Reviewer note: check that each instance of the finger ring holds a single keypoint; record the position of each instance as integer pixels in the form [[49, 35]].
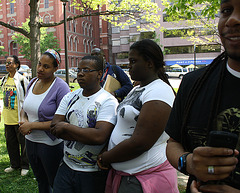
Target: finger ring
[[210, 169]]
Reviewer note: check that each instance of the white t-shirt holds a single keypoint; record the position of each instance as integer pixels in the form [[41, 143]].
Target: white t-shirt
[[85, 112], [127, 114], [31, 105]]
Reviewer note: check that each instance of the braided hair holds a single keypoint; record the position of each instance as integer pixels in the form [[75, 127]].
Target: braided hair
[[150, 50], [195, 91]]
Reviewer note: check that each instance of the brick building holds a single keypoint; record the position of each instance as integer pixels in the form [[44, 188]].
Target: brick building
[[82, 33]]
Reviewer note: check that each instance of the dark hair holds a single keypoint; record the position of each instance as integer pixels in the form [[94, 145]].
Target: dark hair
[[150, 50], [16, 60], [55, 62], [98, 61], [195, 91]]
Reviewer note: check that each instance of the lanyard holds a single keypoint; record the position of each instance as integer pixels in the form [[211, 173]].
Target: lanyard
[[105, 74]]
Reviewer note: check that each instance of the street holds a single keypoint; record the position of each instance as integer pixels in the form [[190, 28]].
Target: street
[[175, 82]]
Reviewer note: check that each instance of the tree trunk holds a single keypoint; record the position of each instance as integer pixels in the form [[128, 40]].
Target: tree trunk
[[34, 34]]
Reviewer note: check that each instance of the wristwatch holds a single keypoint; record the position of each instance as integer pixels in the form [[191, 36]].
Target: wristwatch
[[182, 163]]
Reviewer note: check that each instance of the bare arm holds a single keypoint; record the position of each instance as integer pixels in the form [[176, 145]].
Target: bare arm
[[26, 127], [91, 136], [148, 129]]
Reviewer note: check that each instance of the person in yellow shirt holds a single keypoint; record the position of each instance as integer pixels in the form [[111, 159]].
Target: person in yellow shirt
[[14, 86]]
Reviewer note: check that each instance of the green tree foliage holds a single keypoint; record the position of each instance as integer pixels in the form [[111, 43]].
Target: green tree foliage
[[47, 40], [190, 9], [1, 51], [197, 20]]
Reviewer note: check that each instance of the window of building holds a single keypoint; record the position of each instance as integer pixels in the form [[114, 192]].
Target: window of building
[[71, 43], [76, 61], [85, 46], [83, 27], [124, 40], [69, 6], [47, 19], [73, 9], [122, 55], [200, 31], [134, 38], [46, 3], [86, 29], [190, 49], [147, 35], [91, 31], [70, 25], [116, 43], [72, 62], [11, 8], [115, 30], [88, 47], [74, 26], [76, 44], [91, 45]]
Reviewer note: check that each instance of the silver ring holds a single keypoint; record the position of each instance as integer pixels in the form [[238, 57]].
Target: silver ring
[[210, 169]]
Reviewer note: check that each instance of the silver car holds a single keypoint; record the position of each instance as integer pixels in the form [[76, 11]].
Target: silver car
[[61, 73]]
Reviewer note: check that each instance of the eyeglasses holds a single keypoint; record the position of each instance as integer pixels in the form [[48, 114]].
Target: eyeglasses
[[85, 70], [8, 63]]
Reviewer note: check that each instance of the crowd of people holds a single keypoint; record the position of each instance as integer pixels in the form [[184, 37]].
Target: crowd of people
[[134, 139]]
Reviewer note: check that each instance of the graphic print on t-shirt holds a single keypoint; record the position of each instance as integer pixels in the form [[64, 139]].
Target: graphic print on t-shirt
[[85, 158], [9, 96]]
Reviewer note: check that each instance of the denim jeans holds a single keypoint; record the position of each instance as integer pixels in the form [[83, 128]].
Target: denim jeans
[[70, 181], [44, 160]]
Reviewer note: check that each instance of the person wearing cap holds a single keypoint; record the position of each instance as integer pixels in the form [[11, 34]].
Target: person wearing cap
[[116, 72], [208, 100], [43, 96], [14, 86]]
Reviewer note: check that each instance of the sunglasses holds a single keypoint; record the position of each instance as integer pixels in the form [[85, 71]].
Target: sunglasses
[[8, 63]]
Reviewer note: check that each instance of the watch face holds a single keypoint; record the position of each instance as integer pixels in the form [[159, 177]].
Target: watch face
[[180, 164]]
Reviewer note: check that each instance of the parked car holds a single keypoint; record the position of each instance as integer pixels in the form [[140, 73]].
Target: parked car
[[25, 71], [61, 73], [3, 70], [177, 72]]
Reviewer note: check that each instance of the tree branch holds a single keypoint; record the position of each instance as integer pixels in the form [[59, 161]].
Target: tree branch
[[17, 29], [86, 15]]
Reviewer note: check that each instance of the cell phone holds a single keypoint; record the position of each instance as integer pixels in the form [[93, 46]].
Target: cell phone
[[222, 139]]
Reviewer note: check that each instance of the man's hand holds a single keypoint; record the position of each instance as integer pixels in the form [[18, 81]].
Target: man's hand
[[220, 158], [197, 188], [59, 129]]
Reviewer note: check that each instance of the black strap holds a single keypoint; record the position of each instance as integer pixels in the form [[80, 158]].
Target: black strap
[[22, 83]]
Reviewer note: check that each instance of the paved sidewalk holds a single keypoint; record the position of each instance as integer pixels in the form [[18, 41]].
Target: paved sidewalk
[[182, 179]]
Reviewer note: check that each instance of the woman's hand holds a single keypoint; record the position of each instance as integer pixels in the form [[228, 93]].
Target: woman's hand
[[25, 127], [101, 164]]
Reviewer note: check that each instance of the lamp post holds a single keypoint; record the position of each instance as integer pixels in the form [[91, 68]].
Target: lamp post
[[194, 56], [65, 41]]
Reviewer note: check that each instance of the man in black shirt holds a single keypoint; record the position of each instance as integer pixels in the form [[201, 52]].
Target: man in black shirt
[[208, 99]]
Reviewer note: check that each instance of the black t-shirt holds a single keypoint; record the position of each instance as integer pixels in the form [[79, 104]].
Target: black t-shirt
[[228, 115]]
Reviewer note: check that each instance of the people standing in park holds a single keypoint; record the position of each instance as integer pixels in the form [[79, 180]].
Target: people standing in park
[[85, 119], [116, 72], [14, 86], [42, 99], [137, 145], [208, 100]]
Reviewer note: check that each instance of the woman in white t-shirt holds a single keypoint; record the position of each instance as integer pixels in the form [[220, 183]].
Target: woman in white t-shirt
[[137, 147]]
